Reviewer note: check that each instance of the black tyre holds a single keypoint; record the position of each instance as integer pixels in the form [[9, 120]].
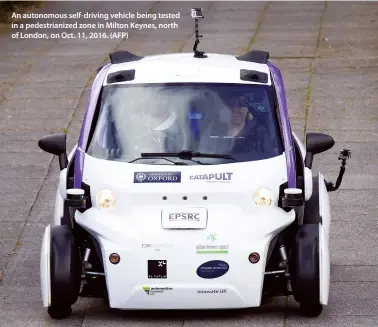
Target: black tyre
[[59, 313], [311, 211], [65, 272], [304, 258], [310, 310]]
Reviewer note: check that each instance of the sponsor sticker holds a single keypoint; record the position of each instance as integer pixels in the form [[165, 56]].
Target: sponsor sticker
[[212, 291], [213, 178], [195, 216], [157, 247], [157, 269], [213, 269], [157, 177], [156, 290], [185, 218], [212, 246]]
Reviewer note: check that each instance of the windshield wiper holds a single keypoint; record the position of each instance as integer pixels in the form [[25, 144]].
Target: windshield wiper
[[174, 162], [186, 154]]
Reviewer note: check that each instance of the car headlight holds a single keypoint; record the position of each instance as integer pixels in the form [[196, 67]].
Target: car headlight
[[105, 199], [263, 197]]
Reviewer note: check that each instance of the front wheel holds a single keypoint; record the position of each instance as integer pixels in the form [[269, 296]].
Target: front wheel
[[59, 312], [65, 272], [310, 310], [304, 270]]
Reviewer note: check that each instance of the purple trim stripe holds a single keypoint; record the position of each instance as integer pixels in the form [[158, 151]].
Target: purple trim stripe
[[284, 115], [85, 129]]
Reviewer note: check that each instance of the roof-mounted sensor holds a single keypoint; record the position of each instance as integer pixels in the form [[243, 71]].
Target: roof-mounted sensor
[[122, 56], [256, 56]]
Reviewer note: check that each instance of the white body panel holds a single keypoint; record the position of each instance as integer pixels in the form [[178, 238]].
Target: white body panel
[[324, 232], [307, 171], [308, 183], [185, 68], [45, 267], [136, 219], [301, 145]]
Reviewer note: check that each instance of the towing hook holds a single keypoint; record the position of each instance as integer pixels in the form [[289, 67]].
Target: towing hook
[[345, 154]]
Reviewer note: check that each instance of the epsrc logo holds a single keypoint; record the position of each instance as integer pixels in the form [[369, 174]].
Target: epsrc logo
[[184, 216]]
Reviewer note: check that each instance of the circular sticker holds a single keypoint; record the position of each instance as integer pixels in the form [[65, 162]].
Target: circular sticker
[[213, 269], [260, 107]]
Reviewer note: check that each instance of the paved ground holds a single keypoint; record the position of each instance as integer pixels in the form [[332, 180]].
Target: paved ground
[[329, 57]]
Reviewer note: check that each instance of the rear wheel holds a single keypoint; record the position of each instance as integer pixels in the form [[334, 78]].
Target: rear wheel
[[65, 272]]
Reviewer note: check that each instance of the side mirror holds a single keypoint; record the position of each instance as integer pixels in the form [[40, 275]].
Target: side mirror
[[56, 145], [317, 143]]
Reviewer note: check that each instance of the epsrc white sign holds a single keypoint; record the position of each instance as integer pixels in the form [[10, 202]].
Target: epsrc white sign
[[184, 218]]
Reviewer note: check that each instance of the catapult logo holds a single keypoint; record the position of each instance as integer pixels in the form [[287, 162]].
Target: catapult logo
[[157, 177], [154, 290], [213, 178]]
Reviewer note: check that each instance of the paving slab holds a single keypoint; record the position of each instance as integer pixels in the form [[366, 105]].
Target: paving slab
[[26, 257], [10, 229], [27, 104], [23, 172], [20, 306], [317, 122], [358, 213], [331, 321], [40, 91], [6, 249], [270, 314], [352, 299], [354, 243], [358, 273]]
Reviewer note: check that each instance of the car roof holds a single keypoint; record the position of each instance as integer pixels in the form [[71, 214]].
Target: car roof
[[186, 68]]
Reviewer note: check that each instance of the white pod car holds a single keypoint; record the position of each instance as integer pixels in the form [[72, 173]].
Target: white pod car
[[188, 190]]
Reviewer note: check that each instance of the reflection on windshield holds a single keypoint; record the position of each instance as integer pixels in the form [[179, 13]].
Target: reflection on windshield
[[234, 119]]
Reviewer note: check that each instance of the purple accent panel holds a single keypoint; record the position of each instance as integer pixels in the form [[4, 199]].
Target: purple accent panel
[[286, 128], [91, 106], [79, 164], [85, 129]]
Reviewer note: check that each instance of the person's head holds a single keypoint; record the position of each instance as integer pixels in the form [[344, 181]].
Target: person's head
[[239, 110]]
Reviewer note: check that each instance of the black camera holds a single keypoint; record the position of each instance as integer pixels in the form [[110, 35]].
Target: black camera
[[197, 13], [345, 154]]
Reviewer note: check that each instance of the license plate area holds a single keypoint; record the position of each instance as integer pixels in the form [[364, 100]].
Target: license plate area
[[184, 218]]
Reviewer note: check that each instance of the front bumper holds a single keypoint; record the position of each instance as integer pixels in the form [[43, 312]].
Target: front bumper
[[233, 235]]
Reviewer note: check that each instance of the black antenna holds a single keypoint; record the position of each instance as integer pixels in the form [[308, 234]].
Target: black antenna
[[196, 14]]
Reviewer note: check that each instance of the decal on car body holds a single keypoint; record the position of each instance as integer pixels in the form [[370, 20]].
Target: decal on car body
[[213, 269]]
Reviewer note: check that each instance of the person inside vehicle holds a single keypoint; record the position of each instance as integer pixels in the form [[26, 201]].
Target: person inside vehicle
[[243, 132]]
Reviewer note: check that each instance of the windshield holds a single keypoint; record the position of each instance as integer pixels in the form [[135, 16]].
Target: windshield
[[229, 119]]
